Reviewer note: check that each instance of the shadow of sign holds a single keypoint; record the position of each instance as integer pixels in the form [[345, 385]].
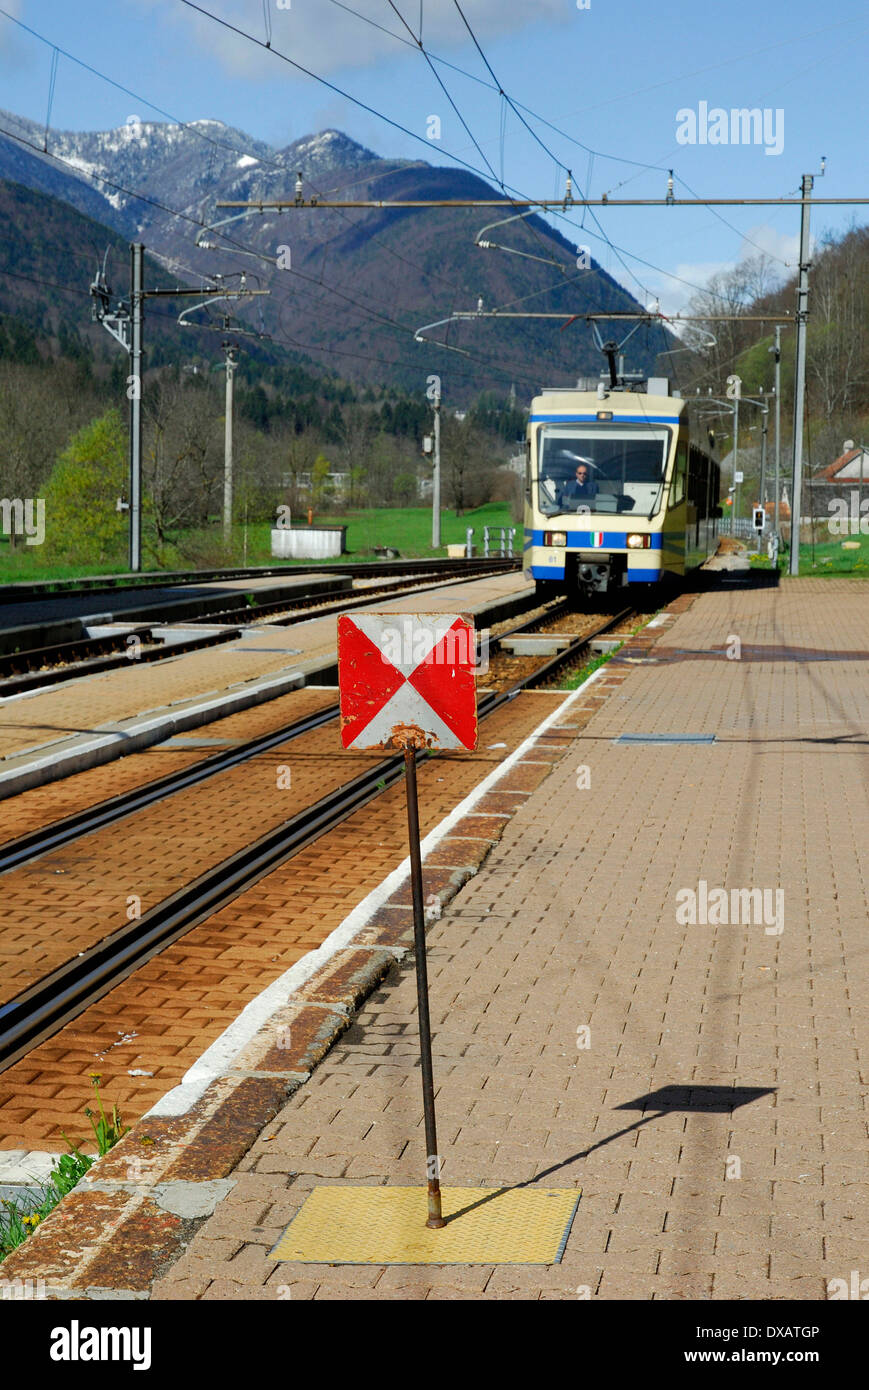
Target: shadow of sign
[[720, 1100]]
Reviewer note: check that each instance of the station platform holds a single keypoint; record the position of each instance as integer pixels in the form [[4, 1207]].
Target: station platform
[[139, 602], [48, 733], [648, 985]]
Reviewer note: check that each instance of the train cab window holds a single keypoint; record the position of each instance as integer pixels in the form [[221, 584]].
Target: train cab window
[[601, 468], [677, 487]]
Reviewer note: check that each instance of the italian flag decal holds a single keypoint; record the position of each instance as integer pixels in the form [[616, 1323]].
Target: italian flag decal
[[597, 537]]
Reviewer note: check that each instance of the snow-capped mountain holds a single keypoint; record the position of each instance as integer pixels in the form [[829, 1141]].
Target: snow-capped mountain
[[184, 167], [348, 287]]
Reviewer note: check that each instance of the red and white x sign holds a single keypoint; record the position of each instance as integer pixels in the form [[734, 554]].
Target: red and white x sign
[[407, 680]]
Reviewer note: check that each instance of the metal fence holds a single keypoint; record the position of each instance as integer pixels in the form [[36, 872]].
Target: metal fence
[[736, 526], [497, 540]]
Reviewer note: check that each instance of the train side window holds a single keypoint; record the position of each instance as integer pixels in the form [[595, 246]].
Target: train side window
[[677, 489], [698, 481]]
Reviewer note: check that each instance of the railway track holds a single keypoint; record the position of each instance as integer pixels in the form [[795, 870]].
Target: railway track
[[27, 670], [102, 584], [65, 992]]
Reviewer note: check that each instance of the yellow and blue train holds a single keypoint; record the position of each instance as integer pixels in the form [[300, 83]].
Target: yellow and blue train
[[616, 492]]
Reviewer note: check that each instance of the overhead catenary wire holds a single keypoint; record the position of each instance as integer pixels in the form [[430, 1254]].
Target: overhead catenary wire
[[120, 86], [560, 163], [363, 308], [397, 125], [443, 87], [51, 85], [201, 223], [357, 101], [727, 62]]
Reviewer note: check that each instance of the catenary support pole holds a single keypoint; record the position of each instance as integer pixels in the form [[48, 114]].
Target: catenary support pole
[[736, 481], [777, 351], [134, 391], [436, 477], [763, 433], [231, 360], [800, 376]]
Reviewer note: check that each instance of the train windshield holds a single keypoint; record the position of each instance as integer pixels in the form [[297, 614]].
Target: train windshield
[[601, 468]]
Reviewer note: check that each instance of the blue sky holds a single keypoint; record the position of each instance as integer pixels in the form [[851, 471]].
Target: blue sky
[[612, 76]]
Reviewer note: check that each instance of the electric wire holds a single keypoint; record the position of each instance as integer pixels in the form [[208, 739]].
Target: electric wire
[[162, 207]]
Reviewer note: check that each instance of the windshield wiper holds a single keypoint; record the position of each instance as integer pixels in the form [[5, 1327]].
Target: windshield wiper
[[656, 501]]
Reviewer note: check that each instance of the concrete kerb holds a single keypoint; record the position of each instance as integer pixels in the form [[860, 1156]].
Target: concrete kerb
[[113, 1237], [132, 735]]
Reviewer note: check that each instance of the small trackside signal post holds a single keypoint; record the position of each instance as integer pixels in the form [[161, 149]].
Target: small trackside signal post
[[406, 683]]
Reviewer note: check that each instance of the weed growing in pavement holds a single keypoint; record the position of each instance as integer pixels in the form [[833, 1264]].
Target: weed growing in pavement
[[20, 1218], [576, 678], [106, 1132]]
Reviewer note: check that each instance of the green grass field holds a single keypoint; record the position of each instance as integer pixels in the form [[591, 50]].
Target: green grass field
[[407, 529], [827, 557]]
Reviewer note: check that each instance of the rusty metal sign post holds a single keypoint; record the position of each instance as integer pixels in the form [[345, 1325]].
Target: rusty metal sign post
[[406, 683], [431, 1138]]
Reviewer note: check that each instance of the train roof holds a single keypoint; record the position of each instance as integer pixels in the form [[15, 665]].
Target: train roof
[[623, 404]]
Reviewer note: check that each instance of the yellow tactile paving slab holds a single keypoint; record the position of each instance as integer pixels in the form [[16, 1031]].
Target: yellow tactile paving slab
[[386, 1226]]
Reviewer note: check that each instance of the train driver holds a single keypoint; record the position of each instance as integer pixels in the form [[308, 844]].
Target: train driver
[[582, 488]]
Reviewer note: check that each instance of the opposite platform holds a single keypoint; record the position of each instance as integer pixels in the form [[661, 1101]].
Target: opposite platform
[[46, 734]]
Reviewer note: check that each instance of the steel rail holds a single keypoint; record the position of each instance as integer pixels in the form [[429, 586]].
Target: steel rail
[[18, 662], [45, 839], [31, 846], [94, 666], [322, 608]]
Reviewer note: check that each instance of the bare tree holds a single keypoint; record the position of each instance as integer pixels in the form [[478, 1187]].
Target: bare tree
[[729, 296], [182, 457], [837, 359]]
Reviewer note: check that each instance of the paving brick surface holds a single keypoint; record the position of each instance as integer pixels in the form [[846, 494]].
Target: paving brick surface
[[704, 1082]]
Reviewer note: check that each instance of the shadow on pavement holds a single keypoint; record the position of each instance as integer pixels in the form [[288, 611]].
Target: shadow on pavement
[[718, 1100]]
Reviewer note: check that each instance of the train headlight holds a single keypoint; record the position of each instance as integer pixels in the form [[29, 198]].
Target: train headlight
[[638, 541], [555, 538]]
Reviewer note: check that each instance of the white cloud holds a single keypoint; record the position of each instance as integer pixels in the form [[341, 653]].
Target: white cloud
[[783, 247], [675, 295], [325, 38], [7, 29], [13, 50], [780, 245]]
